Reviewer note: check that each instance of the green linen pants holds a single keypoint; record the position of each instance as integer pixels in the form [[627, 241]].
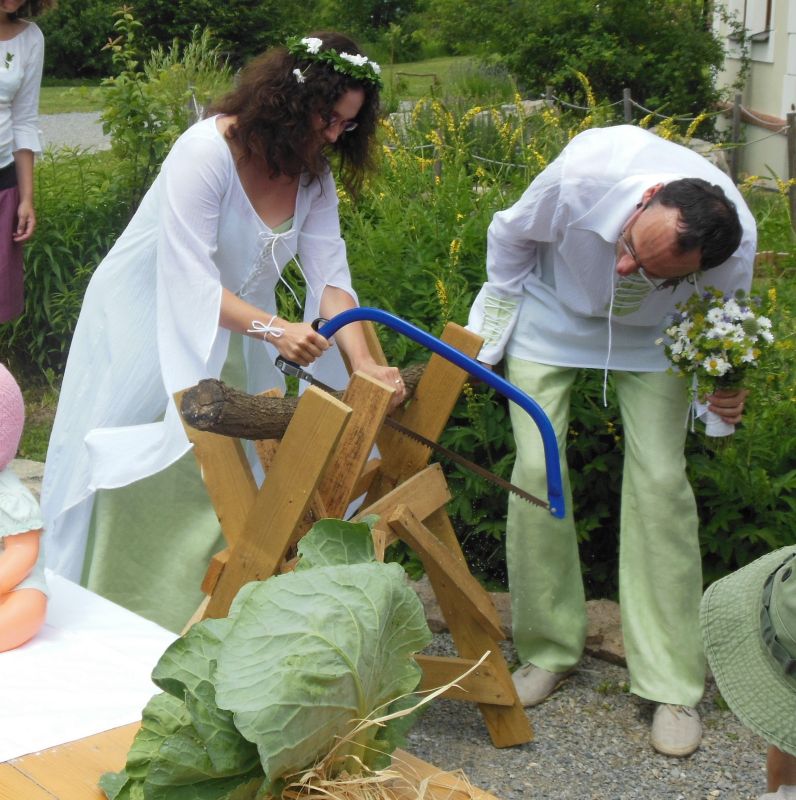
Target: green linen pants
[[660, 570]]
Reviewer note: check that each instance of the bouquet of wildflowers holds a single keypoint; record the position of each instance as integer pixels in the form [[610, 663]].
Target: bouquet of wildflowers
[[716, 339]]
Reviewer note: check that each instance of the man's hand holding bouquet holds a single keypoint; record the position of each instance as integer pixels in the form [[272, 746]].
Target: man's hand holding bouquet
[[717, 339]]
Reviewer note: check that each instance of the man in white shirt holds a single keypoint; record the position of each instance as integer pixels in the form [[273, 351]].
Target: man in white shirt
[[583, 272]]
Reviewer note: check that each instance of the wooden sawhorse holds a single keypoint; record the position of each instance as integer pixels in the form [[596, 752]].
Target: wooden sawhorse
[[319, 466]]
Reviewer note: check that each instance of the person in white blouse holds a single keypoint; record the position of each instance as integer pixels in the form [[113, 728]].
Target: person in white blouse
[[21, 64], [187, 291], [583, 272]]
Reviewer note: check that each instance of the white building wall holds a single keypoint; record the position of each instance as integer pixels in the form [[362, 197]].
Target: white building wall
[[771, 86]]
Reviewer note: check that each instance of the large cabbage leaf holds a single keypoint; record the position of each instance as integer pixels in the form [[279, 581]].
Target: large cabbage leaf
[[187, 671], [266, 690], [332, 542], [312, 652], [167, 761]]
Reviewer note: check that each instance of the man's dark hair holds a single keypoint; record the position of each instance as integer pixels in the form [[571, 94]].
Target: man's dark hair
[[708, 219]]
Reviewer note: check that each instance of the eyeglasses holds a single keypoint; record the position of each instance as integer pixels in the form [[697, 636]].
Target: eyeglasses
[[657, 284], [345, 125]]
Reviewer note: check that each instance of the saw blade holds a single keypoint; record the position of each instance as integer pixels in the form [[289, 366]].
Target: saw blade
[[452, 455], [289, 368]]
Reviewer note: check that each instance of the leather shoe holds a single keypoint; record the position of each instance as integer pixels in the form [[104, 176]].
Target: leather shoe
[[534, 684], [676, 730]]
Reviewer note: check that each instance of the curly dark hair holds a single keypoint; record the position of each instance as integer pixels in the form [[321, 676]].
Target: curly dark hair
[[276, 114], [32, 8]]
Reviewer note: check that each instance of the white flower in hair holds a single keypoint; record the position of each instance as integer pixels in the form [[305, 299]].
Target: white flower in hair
[[309, 49], [299, 76], [312, 43], [358, 61]]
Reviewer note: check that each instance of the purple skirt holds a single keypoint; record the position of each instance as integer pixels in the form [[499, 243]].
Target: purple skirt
[[11, 294]]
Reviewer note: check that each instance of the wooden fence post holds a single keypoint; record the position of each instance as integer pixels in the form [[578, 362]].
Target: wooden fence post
[[627, 104], [735, 153], [792, 166]]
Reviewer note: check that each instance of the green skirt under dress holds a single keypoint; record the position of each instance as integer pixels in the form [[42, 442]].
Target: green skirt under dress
[[150, 543]]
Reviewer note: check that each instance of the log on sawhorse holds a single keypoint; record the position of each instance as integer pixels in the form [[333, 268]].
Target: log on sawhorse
[[321, 464]]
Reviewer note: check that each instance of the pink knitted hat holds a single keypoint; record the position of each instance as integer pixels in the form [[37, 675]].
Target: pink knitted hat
[[12, 416]]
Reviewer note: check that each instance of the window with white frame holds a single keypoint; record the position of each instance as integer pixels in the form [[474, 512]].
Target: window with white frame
[[757, 18]]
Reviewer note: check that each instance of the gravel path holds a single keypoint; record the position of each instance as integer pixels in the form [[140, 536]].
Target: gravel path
[[591, 743], [74, 129]]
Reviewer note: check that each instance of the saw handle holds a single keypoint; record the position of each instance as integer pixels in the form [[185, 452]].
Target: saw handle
[[555, 494], [291, 367]]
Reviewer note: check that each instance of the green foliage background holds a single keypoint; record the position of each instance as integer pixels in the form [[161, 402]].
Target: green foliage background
[[662, 50], [416, 241]]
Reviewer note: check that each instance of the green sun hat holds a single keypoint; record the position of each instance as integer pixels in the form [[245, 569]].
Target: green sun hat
[[749, 629]]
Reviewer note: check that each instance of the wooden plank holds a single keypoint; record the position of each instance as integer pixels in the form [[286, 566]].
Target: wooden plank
[[266, 451], [283, 500], [458, 582], [71, 771], [316, 511], [369, 472], [197, 615], [422, 494], [507, 725], [374, 345], [369, 400], [214, 570], [428, 413], [480, 686], [15, 785], [227, 476], [440, 785]]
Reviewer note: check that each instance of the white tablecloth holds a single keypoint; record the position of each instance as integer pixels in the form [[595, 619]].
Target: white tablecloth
[[86, 671]]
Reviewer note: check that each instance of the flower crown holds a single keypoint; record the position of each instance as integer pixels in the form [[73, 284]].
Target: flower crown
[[309, 49]]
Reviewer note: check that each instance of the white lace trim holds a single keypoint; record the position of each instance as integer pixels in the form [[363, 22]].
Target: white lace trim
[[267, 259], [498, 313]]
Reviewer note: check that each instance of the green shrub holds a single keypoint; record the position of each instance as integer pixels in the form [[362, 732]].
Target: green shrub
[[75, 32], [242, 28], [79, 217], [666, 53], [148, 104]]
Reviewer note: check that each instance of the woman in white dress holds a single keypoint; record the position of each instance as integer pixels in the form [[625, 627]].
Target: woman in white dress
[[21, 63], [189, 289]]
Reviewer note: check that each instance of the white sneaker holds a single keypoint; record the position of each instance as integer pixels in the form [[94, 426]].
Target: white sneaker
[[534, 684], [676, 730]]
